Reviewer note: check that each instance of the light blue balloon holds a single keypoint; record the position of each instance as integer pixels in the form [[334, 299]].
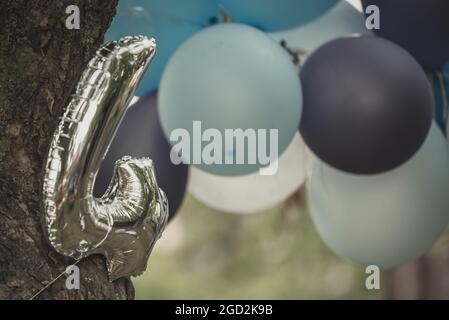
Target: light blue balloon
[[170, 22], [342, 20], [386, 219], [275, 15], [231, 76]]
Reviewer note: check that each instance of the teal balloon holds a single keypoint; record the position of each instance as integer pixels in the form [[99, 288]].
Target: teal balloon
[[275, 15], [231, 76], [340, 21], [170, 22], [386, 219], [440, 84]]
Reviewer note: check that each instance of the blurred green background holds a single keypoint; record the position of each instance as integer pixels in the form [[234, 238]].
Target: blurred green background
[[276, 254]]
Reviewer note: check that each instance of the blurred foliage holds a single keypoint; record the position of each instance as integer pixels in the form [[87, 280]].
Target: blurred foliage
[[277, 254]]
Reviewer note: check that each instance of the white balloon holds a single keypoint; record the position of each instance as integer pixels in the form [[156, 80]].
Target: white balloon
[[386, 219], [253, 192], [342, 20]]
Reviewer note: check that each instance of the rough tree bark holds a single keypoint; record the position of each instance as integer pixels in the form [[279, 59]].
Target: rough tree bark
[[40, 64]]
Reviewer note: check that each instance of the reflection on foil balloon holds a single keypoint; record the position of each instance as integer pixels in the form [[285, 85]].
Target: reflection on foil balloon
[[125, 223], [140, 135]]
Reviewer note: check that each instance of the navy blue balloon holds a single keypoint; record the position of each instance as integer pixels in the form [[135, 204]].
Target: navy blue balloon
[[140, 135], [368, 104], [170, 22], [276, 15], [419, 26]]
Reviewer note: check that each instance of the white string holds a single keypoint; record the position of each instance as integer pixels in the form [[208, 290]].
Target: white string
[[53, 281], [110, 225]]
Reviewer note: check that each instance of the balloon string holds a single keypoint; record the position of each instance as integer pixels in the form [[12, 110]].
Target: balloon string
[[296, 54], [62, 273], [444, 97], [53, 281], [225, 17], [110, 224]]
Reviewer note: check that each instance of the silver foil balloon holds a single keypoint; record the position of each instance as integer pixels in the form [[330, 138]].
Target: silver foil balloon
[[127, 220]]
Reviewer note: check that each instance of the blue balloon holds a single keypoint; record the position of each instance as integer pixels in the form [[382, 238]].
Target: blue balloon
[[340, 21], [229, 78], [276, 15], [384, 219], [170, 22], [440, 82]]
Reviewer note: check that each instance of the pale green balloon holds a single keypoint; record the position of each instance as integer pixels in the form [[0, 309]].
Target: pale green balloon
[[231, 76], [386, 219]]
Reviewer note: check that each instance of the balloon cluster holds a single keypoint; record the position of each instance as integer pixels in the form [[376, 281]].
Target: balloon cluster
[[361, 106], [377, 192]]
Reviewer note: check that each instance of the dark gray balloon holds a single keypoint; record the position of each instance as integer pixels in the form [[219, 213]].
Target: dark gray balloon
[[140, 135], [419, 26], [368, 105]]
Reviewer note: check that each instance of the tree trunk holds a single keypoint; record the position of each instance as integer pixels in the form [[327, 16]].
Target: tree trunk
[[40, 63]]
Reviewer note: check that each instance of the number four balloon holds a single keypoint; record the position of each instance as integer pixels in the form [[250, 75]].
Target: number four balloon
[[125, 223], [140, 135]]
